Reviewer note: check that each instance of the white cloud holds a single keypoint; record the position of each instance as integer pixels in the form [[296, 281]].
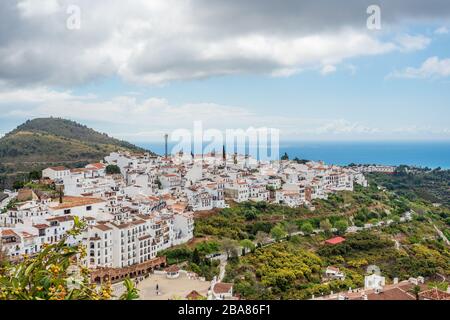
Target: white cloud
[[409, 42], [328, 69], [433, 67], [34, 95], [441, 30], [30, 8], [158, 41], [343, 126], [130, 118]]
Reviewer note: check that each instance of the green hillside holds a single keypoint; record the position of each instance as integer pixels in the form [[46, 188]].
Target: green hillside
[[44, 142]]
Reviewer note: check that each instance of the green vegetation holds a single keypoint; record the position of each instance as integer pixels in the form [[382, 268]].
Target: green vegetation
[[40, 143], [417, 184], [278, 233], [283, 271], [245, 220], [112, 169], [195, 258], [292, 266], [307, 228], [291, 270]]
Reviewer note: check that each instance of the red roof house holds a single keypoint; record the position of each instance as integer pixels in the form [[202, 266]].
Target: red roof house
[[335, 240]]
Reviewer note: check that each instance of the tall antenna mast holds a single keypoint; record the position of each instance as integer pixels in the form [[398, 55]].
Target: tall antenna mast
[[166, 136]]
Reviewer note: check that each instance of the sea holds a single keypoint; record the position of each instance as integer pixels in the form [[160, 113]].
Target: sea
[[421, 153]]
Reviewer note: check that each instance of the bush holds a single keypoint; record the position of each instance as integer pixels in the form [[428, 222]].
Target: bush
[[307, 228], [112, 169]]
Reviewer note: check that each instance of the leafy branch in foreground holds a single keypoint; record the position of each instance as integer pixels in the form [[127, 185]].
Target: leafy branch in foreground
[[56, 273]]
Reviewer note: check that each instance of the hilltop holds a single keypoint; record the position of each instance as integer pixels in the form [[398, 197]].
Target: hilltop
[[42, 142]]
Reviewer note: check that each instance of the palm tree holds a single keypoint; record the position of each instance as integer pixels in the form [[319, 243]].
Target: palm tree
[[416, 290]]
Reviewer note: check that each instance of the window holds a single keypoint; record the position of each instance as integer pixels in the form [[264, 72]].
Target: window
[[67, 211], [88, 208]]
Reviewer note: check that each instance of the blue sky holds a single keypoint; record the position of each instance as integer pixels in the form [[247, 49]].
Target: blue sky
[[338, 83]]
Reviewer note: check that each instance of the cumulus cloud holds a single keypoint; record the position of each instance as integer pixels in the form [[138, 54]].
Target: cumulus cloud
[[433, 67], [158, 41], [328, 69], [148, 119], [413, 42], [30, 8], [343, 126], [441, 30]]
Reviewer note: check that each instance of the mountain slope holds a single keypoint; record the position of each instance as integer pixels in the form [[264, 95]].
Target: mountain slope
[[42, 142]]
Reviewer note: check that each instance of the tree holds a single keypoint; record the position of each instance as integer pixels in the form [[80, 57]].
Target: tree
[[247, 245], [196, 256], [277, 233], [112, 169], [131, 292], [261, 237], [300, 161], [18, 185], [35, 175], [291, 228], [251, 214], [416, 290], [325, 225], [230, 248], [158, 183], [341, 226], [285, 156], [56, 273], [307, 228]]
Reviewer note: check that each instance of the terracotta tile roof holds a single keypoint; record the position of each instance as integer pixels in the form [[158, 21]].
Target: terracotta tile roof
[[60, 219], [41, 226], [194, 295], [173, 268], [222, 287], [392, 294], [97, 165], [434, 294], [138, 222], [58, 168], [121, 226], [102, 227], [79, 170], [71, 202], [9, 233], [333, 268], [27, 235]]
